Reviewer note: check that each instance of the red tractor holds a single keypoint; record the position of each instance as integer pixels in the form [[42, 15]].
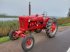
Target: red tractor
[[36, 24]]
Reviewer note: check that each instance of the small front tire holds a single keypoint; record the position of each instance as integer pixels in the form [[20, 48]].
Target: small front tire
[[12, 35], [28, 43]]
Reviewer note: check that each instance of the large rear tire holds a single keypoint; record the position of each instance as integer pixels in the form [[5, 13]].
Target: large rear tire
[[28, 43], [52, 28]]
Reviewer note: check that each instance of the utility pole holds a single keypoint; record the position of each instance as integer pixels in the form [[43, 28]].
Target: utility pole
[[29, 8], [69, 13]]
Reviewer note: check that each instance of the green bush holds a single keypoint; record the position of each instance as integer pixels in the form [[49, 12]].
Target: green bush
[[6, 26], [62, 21]]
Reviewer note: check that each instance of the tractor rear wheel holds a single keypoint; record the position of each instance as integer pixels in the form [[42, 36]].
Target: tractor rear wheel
[[12, 35], [28, 43], [51, 28]]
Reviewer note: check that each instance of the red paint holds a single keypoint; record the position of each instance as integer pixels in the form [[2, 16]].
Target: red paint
[[31, 23]]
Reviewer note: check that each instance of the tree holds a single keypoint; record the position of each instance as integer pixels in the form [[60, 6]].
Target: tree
[[69, 13]]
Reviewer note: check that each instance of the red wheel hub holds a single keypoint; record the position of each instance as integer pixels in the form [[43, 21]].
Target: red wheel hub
[[53, 27], [29, 43], [15, 35]]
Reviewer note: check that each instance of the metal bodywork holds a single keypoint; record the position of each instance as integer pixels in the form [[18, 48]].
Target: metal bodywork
[[31, 23]]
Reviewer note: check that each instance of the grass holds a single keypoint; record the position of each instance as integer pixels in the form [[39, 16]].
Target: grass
[[4, 39], [67, 24], [63, 21], [7, 26]]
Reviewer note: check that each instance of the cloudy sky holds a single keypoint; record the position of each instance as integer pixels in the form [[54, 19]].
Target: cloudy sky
[[20, 7]]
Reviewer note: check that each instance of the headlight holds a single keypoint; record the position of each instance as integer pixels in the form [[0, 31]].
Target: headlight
[[29, 20]]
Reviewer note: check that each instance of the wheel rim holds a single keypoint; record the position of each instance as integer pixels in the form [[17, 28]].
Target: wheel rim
[[14, 35], [29, 43], [53, 28]]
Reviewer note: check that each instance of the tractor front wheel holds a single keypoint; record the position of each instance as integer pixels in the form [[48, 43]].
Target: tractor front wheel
[[12, 35], [28, 43]]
